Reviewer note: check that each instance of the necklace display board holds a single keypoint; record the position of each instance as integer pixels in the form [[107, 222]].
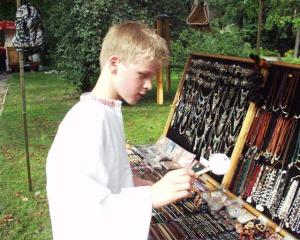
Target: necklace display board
[[211, 104], [268, 171]]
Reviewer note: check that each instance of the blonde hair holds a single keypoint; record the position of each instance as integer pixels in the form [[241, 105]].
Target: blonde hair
[[130, 40]]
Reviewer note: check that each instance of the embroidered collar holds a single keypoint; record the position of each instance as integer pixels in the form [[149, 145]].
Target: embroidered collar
[[107, 102]]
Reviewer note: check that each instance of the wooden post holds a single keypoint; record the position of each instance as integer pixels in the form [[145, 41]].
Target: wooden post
[[167, 37], [259, 26], [22, 88], [163, 30], [160, 88], [159, 85]]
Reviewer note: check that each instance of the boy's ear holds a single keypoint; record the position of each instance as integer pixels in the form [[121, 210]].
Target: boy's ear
[[113, 63]]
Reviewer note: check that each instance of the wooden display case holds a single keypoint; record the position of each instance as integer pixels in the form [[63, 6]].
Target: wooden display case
[[216, 110], [202, 88], [282, 105]]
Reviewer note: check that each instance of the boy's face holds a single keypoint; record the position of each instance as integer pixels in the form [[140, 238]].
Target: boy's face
[[133, 80]]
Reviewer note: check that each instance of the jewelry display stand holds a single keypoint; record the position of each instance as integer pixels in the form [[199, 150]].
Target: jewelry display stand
[[211, 104], [214, 112], [266, 174]]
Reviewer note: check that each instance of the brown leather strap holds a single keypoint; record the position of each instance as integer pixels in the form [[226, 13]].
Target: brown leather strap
[[265, 121], [275, 136]]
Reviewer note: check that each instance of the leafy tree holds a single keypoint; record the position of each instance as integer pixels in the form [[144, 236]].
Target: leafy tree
[[74, 29], [280, 20], [7, 10], [79, 26], [283, 24], [227, 42]]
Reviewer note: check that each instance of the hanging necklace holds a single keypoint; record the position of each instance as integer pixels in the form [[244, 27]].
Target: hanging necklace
[[296, 154], [292, 215], [276, 193], [287, 201]]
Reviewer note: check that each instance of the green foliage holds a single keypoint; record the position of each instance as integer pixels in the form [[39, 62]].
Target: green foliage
[[77, 31], [280, 20], [296, 22], [227, 42], [74, 29], [79, 27], [288, 57], [267, 52], [7, 10], [283, 13], [291, 59]]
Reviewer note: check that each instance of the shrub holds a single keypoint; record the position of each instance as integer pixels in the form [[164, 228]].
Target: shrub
[[79, 27], [288, 57], [228, 41]]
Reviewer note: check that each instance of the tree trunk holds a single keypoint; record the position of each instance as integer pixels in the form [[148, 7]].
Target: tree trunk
[[244, 15], [259, 26], [297, 41], [296, 48]]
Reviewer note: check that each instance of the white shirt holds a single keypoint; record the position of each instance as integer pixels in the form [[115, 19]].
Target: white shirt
[[89, 182]]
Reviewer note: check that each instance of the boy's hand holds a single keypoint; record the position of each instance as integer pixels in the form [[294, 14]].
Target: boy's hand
[[141, 182], [174, 186]]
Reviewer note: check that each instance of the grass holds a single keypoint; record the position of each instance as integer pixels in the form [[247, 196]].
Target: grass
[[291, 59], [24, 215]]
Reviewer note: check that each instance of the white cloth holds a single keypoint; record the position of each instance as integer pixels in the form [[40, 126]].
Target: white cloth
[[89, 182]]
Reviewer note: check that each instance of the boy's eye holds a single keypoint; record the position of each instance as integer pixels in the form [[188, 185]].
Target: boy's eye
[[143, 75]]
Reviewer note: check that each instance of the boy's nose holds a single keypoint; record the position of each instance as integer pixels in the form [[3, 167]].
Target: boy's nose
[[148, 84]]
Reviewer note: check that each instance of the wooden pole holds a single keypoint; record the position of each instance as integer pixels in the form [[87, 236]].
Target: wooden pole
[[167, 37], [159, 81], [22, 88], [259, 26], [297, 43], [163, 30]]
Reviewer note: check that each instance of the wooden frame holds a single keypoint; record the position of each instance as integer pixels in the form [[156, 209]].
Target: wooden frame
[[240, 142]]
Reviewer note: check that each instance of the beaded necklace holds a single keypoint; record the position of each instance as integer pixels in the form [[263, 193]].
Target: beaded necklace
[[286, 202], [267, 189], [258, 190], [250, 197], [296, 155], [292, 217]]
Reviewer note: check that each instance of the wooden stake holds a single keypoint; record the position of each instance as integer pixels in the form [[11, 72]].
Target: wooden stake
[[22, 88], [167, 37], [159, 80], [163, 30]]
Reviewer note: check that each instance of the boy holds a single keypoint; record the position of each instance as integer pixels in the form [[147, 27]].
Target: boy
[[90, 187]]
